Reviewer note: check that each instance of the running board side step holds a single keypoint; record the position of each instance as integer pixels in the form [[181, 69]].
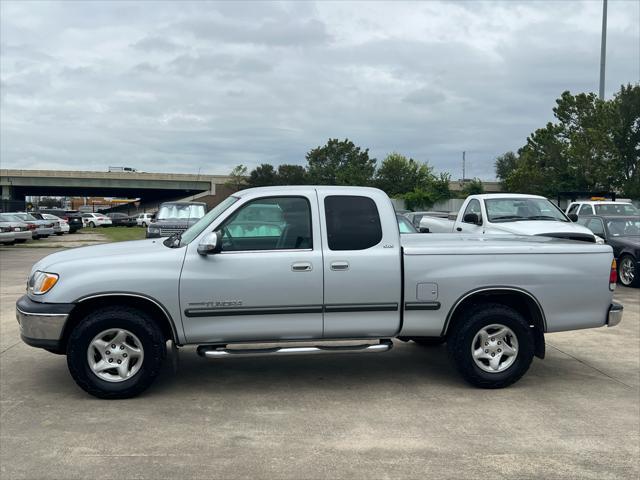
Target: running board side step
[[212, 351]]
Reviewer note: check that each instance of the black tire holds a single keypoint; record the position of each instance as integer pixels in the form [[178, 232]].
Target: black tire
[[92, 225], [429, 341], [460, 340], [144, 224], [636, 281], [131, 319]]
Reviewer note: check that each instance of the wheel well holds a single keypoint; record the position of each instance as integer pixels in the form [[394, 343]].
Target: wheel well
[[157, 314], [522, 302]]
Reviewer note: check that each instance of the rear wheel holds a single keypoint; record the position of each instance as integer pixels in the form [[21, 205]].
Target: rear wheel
[[627, 271], [115, 352], [92, 225], [492, 347]]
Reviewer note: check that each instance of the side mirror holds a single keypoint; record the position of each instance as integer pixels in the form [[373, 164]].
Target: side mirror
[[573, 217], [210, 243], [424, 230], [471, 218]]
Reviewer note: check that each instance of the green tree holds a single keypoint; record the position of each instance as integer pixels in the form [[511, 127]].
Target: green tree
[[237, 178], [592, 145], [419, 199], [626, 139], [398, 175], [263, 175], [505, 164], [340, 163], [291, 175], [474, 187]]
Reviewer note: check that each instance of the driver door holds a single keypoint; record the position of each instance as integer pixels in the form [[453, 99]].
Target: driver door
[[266, 283]]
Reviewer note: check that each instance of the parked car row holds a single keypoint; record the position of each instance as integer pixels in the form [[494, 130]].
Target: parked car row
[[19, 227]]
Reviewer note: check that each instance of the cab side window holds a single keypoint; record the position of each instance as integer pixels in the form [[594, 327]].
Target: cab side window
[[274, 223], [473, 207], [353, 222], [586, 209]]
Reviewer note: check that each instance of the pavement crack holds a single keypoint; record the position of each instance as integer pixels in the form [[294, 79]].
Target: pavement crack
[[9, 347], [592, 367]]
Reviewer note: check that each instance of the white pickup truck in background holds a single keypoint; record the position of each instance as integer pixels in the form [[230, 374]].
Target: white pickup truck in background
[[509, 213]]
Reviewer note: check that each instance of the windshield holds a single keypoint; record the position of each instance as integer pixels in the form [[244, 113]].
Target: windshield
[[198, 227], [616, 209], [24, 216], [177, 211], [519, 209], [405, 225], [623, 227]]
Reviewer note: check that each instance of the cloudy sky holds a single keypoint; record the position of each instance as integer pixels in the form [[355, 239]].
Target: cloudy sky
[[178, 87]]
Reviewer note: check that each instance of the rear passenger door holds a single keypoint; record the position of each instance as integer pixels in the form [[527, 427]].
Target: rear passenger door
[[362, 278]]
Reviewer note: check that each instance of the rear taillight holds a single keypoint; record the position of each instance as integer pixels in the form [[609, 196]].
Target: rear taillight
[[613, 275]]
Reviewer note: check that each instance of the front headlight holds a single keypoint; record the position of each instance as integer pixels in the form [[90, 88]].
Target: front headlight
[[154, 229], [41, 282]]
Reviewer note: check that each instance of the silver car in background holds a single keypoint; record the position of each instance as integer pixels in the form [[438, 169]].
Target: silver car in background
[[6, 234], [44, 228], [20, 230]]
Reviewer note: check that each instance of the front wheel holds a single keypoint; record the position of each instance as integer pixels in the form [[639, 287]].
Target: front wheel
[[115, 352], [92, 225], [144, 224], [627, 271], [492, 347]]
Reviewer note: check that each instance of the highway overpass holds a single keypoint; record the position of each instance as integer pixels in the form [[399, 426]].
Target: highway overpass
[[149, 187]]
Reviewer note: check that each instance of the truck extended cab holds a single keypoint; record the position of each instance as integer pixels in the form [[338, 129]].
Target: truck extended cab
[[509, 213], [298, 268]]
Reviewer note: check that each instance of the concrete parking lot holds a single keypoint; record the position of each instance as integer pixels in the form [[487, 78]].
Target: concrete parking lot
[[405, 413]]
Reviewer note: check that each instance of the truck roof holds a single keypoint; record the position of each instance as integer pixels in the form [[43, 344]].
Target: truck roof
[[344, 190], [486, 196]]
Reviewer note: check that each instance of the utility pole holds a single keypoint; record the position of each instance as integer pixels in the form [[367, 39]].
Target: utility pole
[[603, 48], [464, 166]]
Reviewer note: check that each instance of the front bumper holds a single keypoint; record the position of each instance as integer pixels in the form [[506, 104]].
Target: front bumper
[[615, 314], [41, 324]]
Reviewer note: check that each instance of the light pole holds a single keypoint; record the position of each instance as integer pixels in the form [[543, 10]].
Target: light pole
[[603, 48]]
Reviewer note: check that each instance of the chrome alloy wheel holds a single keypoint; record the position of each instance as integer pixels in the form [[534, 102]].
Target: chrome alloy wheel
[[115, 355], [627, 271], [494, 348]]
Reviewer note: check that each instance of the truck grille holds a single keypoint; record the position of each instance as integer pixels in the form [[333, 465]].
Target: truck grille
[[168, 231]]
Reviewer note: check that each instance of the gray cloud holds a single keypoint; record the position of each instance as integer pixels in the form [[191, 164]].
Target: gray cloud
[[187, 85]]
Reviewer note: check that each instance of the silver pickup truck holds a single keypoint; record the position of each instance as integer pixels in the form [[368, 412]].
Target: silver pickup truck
[[304, 270]]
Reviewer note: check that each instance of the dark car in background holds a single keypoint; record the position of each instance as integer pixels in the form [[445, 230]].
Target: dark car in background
[[121, 220], [623, 234], [73, 217], [173, 218]]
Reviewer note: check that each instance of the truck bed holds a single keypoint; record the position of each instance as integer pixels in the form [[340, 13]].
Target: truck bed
[[443, 269]]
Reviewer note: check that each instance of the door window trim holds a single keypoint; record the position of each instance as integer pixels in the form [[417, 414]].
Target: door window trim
[[272, 250]]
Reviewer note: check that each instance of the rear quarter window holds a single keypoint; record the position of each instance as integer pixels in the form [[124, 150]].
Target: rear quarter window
[[353, 222]]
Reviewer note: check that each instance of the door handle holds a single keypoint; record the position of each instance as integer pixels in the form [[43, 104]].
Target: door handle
[[339, 266], [301, 267], [459, 229]]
